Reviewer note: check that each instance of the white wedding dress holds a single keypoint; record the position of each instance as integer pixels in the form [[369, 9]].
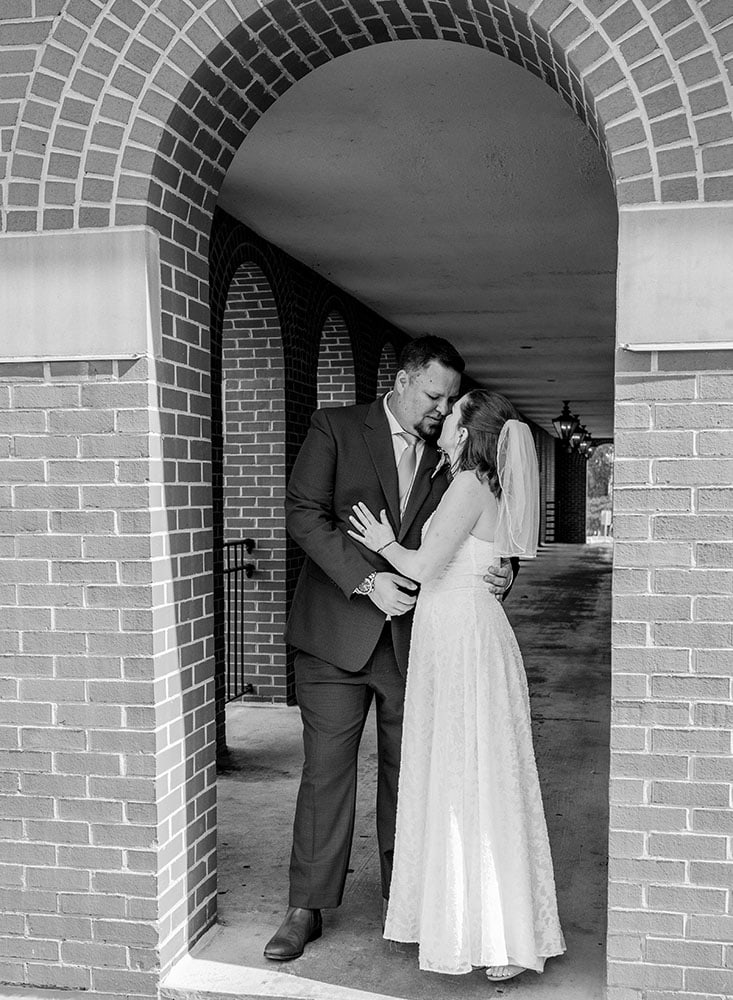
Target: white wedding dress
[[473, 881]]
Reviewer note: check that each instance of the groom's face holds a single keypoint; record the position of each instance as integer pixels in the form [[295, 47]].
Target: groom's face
[[424, 397]]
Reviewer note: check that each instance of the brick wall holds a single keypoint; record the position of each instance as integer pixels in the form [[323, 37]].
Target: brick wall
[[186, 677], [335, 378], [82, 741], [254, 471], [671, 905], [387, 369], [570, 496]]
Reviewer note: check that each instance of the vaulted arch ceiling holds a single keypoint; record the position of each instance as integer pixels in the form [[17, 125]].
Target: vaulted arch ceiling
[[455, 193]]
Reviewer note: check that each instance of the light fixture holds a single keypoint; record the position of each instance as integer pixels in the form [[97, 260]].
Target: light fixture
[[566, 423], [586, 446], [576, 437]]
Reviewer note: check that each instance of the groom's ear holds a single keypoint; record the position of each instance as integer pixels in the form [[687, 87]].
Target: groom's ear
[[401, 380]]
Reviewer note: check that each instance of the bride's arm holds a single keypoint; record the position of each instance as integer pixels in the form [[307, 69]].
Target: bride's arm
[[458, 511]]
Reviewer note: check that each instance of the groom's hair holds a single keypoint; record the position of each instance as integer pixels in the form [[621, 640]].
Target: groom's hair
[[418, 353]]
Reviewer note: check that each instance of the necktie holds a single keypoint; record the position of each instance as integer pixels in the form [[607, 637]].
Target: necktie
[[406, 469]]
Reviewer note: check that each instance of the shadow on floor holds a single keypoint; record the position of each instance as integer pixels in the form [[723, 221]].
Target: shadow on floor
[[560, 609]]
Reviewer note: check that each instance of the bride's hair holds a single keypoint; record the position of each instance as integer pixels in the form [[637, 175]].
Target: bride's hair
[[483, 414]]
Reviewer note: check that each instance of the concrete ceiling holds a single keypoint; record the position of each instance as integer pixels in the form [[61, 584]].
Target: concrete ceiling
[[454, 193]]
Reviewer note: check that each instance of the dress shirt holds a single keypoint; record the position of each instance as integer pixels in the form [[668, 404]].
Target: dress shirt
[[399, 444]]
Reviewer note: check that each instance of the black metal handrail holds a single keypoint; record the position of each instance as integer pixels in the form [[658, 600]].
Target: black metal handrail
[[237, 568]]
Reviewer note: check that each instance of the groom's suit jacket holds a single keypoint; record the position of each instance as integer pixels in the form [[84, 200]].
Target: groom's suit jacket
[[348, 456]]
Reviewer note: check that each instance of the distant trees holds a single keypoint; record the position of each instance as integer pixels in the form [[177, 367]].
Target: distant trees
[[599, 479]]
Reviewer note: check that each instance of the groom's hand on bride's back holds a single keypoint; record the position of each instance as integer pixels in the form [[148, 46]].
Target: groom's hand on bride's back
[[499, 578], [393, 594]]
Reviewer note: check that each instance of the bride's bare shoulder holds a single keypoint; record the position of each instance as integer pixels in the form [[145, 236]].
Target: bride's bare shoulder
[[469, 483], [468, 492]]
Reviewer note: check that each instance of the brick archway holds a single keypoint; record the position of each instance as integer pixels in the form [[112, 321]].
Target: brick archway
[[253, 478], [246, 285], [173, 91]]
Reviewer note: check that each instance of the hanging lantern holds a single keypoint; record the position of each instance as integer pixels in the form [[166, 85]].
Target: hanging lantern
[[565, 423], [576, 437], [586, 446]]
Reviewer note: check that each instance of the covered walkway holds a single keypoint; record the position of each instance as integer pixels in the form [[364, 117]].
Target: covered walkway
[[560, 608]]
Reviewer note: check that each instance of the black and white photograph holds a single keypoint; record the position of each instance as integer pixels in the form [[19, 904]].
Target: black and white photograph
[[366, 499]]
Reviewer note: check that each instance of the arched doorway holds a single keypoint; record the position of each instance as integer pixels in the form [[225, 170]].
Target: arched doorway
[[477, 290], [248, 476], [387, 368], [181, 125], [253, 424], [335, 378]]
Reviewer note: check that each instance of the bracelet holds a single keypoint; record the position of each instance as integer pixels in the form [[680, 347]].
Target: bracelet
[[390, 542]]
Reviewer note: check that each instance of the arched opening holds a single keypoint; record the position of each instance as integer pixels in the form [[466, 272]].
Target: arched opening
[[253, 410], [248, 455], [518, 290], [599, 505], [387, 368], [335, 379], [204, 160]]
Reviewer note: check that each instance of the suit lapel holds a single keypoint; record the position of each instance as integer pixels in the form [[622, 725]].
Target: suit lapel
[[420, 488], [379, 442]]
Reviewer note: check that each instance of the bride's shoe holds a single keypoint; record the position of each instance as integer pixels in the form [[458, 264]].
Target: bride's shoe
[[500, 973]]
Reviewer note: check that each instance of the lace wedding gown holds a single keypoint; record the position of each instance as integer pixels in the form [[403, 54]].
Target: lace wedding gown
[[473, 880]]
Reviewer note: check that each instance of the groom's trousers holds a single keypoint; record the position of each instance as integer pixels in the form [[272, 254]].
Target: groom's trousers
[[334, 704]]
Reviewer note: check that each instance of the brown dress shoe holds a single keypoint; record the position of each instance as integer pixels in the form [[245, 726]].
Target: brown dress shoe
[[298, 928]]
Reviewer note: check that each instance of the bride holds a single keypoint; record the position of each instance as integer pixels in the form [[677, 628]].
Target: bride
[[472, 882]]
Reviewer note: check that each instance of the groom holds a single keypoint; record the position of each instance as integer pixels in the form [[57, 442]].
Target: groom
[[351, 616]]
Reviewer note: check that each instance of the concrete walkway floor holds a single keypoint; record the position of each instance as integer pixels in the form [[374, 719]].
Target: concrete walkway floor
[[560, 609]]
